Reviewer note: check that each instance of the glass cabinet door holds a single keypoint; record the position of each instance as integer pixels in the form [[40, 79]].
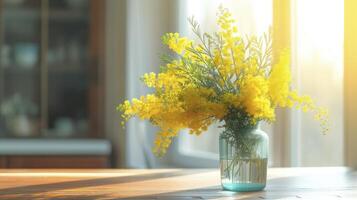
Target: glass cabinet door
[[49, 73], [68, 68], [20, 39]]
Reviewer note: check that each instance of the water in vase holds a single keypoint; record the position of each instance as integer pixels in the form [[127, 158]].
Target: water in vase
[[243, 174]]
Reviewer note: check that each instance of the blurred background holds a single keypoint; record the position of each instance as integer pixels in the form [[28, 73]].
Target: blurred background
[[66, 64]]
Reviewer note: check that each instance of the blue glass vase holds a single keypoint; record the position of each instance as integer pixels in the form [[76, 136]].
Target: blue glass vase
[[243, 159]]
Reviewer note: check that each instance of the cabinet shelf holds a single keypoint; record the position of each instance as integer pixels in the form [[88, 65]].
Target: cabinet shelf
[[64, 69], [14, 70], [55, 147], [33, 14]]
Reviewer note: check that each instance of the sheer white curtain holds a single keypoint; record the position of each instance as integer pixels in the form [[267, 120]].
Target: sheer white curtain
[[317, 48]]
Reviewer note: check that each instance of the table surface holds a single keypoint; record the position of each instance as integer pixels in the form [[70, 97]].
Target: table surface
[[283, 183]]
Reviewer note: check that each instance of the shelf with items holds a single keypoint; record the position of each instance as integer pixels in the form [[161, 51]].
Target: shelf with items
[[45, 57], [20, 115], [72, 15]]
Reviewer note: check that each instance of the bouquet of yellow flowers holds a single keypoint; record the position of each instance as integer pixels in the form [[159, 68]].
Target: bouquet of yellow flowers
[[224, 77]]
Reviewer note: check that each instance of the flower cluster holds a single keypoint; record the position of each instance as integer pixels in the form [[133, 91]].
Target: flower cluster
[[221, 77]]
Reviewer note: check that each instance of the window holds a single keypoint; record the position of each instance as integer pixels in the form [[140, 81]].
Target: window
[[317, 67]]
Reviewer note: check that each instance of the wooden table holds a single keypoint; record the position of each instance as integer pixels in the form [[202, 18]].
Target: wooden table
[[283, 183]]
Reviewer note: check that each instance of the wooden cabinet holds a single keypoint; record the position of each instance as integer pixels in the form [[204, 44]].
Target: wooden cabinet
[[51, 78], [57, 161], [2, 162]]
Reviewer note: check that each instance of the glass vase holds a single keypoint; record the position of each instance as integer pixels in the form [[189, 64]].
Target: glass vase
[[243, 159]]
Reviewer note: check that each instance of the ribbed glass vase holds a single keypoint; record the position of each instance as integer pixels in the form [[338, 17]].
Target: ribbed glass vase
[[243, 159]]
